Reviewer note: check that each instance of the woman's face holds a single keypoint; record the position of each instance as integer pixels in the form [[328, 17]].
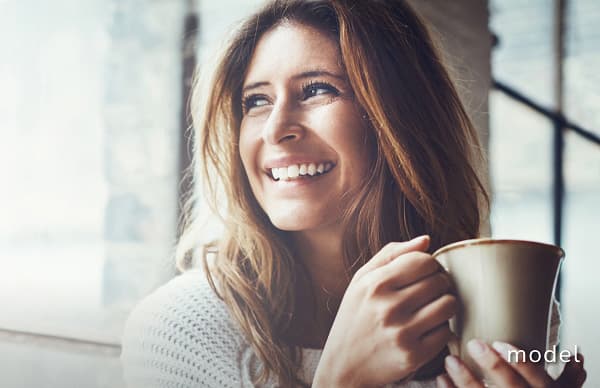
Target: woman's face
[[302, 138]]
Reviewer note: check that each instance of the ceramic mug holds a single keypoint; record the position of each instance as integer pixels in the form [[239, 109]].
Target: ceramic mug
[[505, 289]]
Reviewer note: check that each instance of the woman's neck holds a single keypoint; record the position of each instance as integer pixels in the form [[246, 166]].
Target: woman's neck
[[321, 252]]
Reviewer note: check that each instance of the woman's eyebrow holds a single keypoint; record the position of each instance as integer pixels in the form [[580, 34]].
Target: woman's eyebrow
[[319, 73], [254, 85], [304, 74]]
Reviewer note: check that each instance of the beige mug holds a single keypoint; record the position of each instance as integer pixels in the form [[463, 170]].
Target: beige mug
[[505, 289]]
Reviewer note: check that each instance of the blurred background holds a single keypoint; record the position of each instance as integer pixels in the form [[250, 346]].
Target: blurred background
[[93, 145]]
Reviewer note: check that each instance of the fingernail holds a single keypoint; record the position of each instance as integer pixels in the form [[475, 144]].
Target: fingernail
[[452, 364], [503, 348], [476, 347], [420, 238]]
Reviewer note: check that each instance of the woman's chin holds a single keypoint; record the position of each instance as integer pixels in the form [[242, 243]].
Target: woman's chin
[[293, 223], [291, 226]]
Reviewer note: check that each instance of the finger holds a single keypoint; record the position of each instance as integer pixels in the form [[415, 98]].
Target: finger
[[406, 269], [575, 361], [435, 313], [424, 291], [572, 377], [460, 375], [574, 374], [444, 381], [535, 375], [435, 340], [393, 250], [494, 366]]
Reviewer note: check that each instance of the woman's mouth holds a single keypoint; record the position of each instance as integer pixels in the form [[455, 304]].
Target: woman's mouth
[[300, 171]]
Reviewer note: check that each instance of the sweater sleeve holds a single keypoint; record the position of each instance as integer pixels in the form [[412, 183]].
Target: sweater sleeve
[[182, 336]]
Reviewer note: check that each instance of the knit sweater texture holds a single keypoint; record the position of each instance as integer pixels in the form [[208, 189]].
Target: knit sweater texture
[[183, 336]]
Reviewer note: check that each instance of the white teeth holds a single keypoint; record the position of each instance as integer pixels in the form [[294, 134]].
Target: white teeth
[[303, 169], [292, 171], [296, 170], [283, 173]]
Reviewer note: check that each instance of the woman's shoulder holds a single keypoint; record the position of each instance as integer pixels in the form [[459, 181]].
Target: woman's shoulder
[[182, 335], [186, 295], [186, 301]]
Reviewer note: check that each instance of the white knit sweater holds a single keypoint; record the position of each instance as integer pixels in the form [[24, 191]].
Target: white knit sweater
[[182, 336]]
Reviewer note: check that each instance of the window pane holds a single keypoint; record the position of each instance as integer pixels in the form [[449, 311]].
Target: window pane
[[87, 161], [582, 80], [523, 58], [581, 266], [520, 169], [54, 194], [89, 115]]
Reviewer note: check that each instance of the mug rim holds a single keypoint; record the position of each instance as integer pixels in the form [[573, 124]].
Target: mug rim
[[490, 240]]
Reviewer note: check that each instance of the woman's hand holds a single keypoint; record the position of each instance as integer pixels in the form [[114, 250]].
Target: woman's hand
[[493, 361], [393, 318]]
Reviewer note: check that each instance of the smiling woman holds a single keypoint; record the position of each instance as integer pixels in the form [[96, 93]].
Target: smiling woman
[[300, 116], [345, 157]]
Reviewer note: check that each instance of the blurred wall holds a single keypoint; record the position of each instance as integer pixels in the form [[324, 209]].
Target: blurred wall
[[461, 28]]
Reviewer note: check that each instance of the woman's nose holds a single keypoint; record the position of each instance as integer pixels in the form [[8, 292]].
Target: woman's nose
[[283, 124]]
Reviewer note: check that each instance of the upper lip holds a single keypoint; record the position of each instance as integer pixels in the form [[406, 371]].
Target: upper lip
[[288, 160]]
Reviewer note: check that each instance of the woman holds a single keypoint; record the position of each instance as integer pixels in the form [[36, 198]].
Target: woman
[[333, 134]]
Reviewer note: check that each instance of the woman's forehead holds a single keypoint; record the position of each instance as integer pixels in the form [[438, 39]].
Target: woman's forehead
[[291, 49]]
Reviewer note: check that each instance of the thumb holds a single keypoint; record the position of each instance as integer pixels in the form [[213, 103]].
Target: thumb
[[394, 249]]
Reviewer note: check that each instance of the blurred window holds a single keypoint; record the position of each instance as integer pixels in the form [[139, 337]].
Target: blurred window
[[522, 160], [90, 107]]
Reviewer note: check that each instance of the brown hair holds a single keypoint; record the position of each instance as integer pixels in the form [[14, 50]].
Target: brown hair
[[423, 181]]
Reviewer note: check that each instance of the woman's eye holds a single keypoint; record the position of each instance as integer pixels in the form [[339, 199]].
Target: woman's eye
[[319, 88], [254, 101]]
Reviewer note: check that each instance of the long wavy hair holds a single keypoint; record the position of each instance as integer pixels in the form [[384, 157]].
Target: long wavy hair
[[423, 177]]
